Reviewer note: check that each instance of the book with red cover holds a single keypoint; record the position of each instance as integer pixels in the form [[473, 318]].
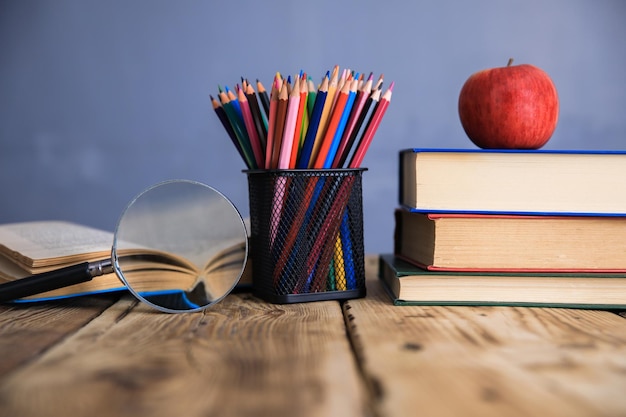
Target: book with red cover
[[498, 242]]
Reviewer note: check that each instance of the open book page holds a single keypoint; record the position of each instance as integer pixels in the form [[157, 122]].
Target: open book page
[[35, 247], [50, 243]]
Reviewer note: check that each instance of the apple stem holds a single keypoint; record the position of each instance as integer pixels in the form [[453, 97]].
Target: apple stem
[[510, 62]]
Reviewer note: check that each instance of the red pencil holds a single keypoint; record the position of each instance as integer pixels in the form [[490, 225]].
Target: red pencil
[[340, 103], [281, 111], [271, 125], [359, 103], [372, 126], [291, 116], [250, 127]]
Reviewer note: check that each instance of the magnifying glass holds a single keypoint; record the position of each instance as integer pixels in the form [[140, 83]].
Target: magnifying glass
[[179, 246]]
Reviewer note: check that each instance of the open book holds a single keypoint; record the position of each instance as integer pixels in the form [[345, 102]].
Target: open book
[[35, 247]]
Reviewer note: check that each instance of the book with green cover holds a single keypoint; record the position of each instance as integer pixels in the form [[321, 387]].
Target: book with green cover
[[410, 285]]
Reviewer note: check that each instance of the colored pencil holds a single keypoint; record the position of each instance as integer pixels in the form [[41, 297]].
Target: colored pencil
[[240, 131], [232, 98], [265, 99], [314, 123], [372, 126], [337, 112], [359, 128], [311, 96], [255, 142], [322, 250], [281, 111], [334, 146], [221, 114], [271, 125], [296, 146], [326, 111], [290, 126], [258, 116], [379, 82], [347, 140], [346, 240], [339, 267], [299, 126]]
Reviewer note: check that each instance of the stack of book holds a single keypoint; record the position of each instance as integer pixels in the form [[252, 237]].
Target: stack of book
[[494, 227]]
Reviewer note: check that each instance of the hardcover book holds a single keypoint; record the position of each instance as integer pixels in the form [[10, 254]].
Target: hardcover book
[[479, 242], [409, 285], [513, 181]]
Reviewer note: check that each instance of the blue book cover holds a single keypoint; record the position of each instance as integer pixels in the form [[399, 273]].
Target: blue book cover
[[515, 182]]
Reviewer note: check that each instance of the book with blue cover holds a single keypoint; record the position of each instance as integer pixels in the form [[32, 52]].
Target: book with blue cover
[[537, 182]]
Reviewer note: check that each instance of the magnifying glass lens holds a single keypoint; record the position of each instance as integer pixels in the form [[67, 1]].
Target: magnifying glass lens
[[180, 246]]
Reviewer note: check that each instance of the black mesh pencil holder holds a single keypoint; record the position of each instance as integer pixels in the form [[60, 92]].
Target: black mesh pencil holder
[[306, 237]]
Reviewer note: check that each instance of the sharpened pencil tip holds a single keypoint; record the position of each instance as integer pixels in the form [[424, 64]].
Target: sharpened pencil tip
[[391, 85]]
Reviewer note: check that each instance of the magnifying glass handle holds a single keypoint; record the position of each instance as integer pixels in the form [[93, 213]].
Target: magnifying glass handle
[[46, 281]]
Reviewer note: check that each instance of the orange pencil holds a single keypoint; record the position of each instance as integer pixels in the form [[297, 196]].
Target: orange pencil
[[342, 98], [328, 105]]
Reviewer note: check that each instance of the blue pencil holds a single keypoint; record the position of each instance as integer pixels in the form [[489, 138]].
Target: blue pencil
[[328, 162], [314, 122]]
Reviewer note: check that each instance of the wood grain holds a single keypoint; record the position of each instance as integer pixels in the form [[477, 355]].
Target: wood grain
[[244, 357], [28, 330], [488, 361]]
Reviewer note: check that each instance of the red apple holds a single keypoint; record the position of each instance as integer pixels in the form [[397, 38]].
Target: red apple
[[512, 107]]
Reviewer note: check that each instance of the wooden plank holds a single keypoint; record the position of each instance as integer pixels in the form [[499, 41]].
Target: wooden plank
[[27, 330], [488, 361], [243, 357]]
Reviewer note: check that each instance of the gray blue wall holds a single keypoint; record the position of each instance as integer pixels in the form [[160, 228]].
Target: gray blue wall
[[99, 99]]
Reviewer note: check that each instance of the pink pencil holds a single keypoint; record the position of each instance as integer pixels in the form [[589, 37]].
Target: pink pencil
[[372, 126], [290, 126], [251, 128], [295, 149]]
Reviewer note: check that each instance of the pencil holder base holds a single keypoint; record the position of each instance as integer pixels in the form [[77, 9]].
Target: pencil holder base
[[305, 298], [306, 237]]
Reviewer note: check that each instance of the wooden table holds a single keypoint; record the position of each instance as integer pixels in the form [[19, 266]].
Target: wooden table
[[111, 356]]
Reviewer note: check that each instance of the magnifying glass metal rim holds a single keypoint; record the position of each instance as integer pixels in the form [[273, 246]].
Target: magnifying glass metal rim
[[83, 272], [115, 257]]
